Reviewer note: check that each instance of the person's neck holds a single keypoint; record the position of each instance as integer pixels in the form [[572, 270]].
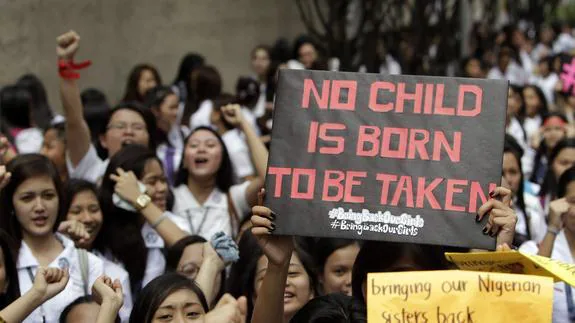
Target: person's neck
[[201, 190], [44, 248], [221, 128]]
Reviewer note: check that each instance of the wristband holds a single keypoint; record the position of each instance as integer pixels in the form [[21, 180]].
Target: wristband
[[159, 220], [67, 68], [552, 231]]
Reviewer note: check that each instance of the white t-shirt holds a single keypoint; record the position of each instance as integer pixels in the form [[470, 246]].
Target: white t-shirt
[[27, 266], [156, 262], [213, 216], [90, 168], [562, 253], [537, 225], [547, 85], [514, 73], [114, 271]]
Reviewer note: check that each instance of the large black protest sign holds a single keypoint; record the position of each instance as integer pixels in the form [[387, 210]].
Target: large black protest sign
[[396, 158]]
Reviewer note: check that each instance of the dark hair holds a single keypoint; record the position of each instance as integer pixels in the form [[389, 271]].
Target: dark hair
[[324, 247], [225, 176], [564, 180], [10, 258], [511, 146], [96, 110], [16, 107], [247, 91], [121, 230], [75, 186], [332, 308], [221, 101], [300, 41], [60, 129], [174, 254], [41, 112], [157, 291], [146, 115], [243, 272], [206, 84], [22, 168], [132, 93], [265, 48], [543, 109], [87, 299], [549, 185], [543, 151], [155, 96], [382, 256], [187, 65], [465, 61]]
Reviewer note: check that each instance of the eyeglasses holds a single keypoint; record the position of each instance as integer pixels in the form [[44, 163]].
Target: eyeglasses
[[137, 127]]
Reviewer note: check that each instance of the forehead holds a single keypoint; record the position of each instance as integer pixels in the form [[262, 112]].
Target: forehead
[[179, 297], [85, 195], [36, 183], [126, 115], [152, 166], [203, 135]]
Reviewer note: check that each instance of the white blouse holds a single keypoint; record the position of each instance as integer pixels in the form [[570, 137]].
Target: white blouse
[[27, 266], [212, 216], [90, 168]]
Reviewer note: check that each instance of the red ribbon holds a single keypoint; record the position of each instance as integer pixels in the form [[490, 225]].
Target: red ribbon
[[68, 68]]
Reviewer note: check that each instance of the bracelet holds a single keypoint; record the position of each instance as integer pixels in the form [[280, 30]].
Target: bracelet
[[552, 231], [67, 68], [159, 220]]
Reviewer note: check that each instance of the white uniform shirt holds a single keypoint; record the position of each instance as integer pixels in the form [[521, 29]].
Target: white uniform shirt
[[114, 271], [514, 73], [537, 225], [90, 168], [27, 266], [562, 253], [213, 216]]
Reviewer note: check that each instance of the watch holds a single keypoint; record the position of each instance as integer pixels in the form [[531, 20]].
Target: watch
[[142, 201]]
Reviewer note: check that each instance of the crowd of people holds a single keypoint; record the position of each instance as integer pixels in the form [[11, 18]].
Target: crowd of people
[[150, 210]]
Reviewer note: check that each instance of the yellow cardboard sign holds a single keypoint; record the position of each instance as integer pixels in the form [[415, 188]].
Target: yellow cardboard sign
[[455, 296], [514, 262]]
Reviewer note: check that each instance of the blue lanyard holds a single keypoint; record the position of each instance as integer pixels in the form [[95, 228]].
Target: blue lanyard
[[570, 305]]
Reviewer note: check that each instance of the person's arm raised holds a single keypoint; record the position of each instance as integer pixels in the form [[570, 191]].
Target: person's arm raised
[[258, 151], [110, 296], [269, 305], [557, 210], [128, 189], [210, 271], [47, 284], [77, 132]]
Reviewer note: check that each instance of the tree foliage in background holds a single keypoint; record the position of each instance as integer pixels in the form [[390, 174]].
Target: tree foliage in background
[[423, 34]]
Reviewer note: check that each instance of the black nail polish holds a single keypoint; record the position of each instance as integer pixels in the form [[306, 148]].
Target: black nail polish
[[273, 215], [485, 230], [477, 219], [492, 234], [273, 225], [272, 229]]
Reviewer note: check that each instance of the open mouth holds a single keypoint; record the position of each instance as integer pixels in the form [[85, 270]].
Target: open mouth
[[40, 220], [127, 142], [200, 161], [288, 296]]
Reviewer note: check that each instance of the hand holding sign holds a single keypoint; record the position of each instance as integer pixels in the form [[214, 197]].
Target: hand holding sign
[[502, 218], [278, 249]]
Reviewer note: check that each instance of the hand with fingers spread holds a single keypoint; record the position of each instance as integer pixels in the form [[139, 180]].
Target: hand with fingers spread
[[4, 177], [502, 218], [278, 249], [107, 291], [233, 115], [228, 310], [75, 230], [127, 186], [49, 282], [68, 45]]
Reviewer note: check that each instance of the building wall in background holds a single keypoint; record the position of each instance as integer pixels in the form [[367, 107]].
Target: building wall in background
[[117, 34]]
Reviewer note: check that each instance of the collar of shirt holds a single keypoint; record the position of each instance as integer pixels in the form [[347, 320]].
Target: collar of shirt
[[26, 258], [186, 199]]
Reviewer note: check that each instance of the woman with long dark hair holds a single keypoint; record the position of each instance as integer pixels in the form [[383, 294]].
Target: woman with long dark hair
[[206, 84], [136, 224], [142, 78], [334, 260], [530, 216], [30, 214], [42, 113], [562, 157], [182, 83], [534, 109], [554, 129], [163, 103], [205, 194]]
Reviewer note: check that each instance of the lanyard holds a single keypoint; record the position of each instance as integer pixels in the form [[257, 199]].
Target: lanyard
[[570, 305], [31, 276], [189, 215]]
